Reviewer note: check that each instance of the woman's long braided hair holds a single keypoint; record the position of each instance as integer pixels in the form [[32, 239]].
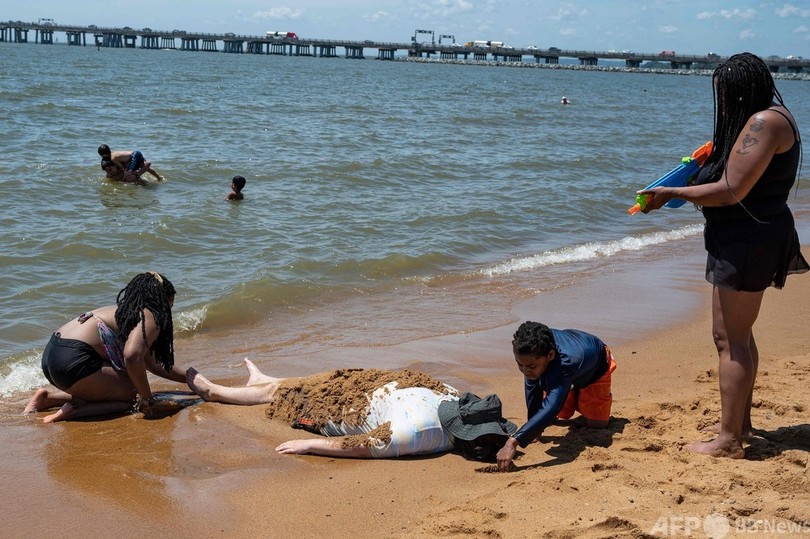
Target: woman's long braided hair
[[743, 86], [533, 339], [151, 291]]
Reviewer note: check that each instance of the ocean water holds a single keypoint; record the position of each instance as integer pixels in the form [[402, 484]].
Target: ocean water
[[385, 201]]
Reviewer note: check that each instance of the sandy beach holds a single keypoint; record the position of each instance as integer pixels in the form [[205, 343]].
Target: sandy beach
[[210, 470]]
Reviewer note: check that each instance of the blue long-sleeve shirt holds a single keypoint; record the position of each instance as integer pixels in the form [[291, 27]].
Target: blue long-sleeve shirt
[[580, 361]]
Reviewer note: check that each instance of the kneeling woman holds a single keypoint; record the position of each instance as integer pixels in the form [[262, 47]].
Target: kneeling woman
[[376, 413], [98, 361]]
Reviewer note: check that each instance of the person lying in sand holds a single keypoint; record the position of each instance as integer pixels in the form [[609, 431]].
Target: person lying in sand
[[564, 371], [376, 413]]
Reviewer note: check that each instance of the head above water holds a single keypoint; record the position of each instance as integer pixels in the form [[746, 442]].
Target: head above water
[[238, 183], [104, 151]]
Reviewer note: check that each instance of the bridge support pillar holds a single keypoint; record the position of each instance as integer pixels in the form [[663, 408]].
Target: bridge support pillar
[[355, 53], [76, 38], [233, 46], [44, 37], [328, 51]]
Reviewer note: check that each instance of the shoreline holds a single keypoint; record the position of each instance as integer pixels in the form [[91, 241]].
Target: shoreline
[[211, 470]]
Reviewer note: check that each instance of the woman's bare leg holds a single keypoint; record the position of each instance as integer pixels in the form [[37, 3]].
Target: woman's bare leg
[[69, 411], [103, 385], [209, 391], [733, 317], [748, 426]]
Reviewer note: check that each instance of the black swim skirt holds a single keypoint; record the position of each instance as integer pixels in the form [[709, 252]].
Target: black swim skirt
[[66, 361], [749, 256]]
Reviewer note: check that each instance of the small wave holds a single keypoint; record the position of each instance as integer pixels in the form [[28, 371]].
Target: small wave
[[589, 251], [21, 374], [190, 321]]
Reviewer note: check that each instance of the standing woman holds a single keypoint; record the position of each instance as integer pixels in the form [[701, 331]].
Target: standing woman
[[98, 361], [750, 234]]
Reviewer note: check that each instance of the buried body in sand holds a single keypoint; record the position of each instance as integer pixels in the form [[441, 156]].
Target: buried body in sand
[[395, 413], [375, 413]]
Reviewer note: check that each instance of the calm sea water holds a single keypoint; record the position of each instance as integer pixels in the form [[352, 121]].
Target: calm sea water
[[385, 201]]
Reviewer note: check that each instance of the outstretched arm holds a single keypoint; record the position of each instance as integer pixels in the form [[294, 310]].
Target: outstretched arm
[[324, 447], [177, 374], [147, 167], [765, 134]]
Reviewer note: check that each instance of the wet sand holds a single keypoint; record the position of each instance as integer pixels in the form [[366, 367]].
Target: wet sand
[[210, 469]]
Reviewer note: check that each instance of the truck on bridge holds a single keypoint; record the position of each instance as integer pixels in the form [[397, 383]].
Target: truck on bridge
[[480, 44], [282, 35]]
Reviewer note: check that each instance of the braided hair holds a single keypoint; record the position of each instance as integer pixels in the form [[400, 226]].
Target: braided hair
[[743, 86], [150, 291], [533, 339]]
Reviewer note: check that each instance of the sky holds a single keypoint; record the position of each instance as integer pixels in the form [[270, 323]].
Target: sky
[[763, 27]]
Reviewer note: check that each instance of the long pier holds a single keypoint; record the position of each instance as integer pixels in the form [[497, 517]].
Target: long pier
[[43, 33]]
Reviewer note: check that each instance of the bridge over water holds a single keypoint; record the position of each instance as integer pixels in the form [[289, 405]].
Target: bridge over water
[[43, 33]]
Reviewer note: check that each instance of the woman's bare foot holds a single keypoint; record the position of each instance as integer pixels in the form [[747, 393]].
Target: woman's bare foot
[[37, 402], [257, 377], [718, 448], [44, 399], [60, 415], [198, 383]]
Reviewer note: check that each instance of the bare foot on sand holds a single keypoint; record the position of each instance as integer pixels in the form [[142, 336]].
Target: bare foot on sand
[[257, 377], [198, 383], [718, 448], [63, 413], [43, 400], [747, 435]]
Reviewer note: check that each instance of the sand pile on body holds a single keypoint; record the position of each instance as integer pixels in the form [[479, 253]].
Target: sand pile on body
[[341, 395]]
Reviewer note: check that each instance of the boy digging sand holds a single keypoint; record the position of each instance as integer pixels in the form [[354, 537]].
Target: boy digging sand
[[564, 371]]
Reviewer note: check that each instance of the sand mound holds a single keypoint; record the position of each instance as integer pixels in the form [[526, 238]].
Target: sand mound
[[340, 395]]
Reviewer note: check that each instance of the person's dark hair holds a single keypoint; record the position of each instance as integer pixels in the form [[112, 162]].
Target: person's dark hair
[[105, 163], [743, 86], [151, 291], [104, 151], [239, 182], [482, 449], [533, 339]]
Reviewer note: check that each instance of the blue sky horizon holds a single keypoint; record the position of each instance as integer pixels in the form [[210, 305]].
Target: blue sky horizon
[[764, 27]]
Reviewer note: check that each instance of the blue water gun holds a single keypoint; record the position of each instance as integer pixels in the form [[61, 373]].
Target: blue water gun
[[680, 176]]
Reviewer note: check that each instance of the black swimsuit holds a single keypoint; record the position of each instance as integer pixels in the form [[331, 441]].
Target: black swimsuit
[[753, 244], [66, 361]]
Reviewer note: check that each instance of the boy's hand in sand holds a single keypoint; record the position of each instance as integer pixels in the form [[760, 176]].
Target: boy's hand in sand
[[296, 447], [506, 455]]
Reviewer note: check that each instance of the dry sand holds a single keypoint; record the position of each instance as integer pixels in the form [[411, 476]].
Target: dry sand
[[210, 470]]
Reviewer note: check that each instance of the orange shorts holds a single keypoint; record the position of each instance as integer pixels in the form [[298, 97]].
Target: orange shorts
[[593, 401]]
